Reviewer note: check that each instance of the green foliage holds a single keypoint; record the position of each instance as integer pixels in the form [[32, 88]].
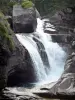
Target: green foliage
[[44, 6], [4, 5], [1, 15], [5, 39], [26, 4], [51, 6], [11, 3]]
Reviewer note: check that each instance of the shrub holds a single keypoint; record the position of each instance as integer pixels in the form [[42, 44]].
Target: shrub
[[26, 4], [5, 39]]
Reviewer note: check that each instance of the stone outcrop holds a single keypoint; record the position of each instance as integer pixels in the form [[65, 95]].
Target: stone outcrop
[[15, 63], [20, 67], [16, 67], [6, 48], [66, 84], [24, 20], [64, 88], [4, 56]]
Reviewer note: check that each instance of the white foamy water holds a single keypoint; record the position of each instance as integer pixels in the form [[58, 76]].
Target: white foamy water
[[55, 54], [31, 46]]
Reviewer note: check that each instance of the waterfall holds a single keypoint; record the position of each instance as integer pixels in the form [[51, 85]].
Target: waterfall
[[48, 58]]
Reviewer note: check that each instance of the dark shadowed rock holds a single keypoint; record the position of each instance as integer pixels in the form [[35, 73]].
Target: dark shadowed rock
[[20, 66], [4, 56], [9, 18], [24, 20], [65, 87], [6, 48], [15, 63], [42, 52]]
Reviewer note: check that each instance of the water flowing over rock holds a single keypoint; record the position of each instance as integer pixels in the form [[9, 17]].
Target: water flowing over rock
[[38, 43], [37, 60], [4, 57], [35, 48], [20, 67], [65, 87], [24, 20], [6, 49]]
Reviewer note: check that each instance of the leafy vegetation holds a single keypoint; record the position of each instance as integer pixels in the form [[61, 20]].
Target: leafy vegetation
[[26, 4], [6, 6], [44, 6], [51, 6], [5, 39]]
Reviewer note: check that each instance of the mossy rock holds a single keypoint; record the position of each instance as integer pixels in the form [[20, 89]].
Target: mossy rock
[[1, 14], [12, 3], [5, 39], [27, 4]]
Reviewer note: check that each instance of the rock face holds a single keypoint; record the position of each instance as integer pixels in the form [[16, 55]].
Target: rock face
[[15, 63], [16, 68], [20, 67], [4, 56], [66, 84], [5, 49], [65, 87], [24, 20]]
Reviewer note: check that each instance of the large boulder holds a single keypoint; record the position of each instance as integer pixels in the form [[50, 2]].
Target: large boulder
[[6, 48], [4, 56], [20, 70], [65, 87], [15, 63], [24, 19]]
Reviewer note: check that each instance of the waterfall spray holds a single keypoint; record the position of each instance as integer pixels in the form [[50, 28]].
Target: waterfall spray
[[55, 56]]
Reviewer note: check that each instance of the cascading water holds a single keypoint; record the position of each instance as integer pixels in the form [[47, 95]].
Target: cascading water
[[55, 57]]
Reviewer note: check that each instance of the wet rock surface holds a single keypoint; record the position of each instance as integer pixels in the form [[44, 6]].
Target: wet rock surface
[[19, 70], [65, 87], [27, 93], [20, 67], [15, 62]]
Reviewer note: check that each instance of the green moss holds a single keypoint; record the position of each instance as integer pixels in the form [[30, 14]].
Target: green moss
[[26, 4], [1, 14], [5, 39], [12, 3]]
